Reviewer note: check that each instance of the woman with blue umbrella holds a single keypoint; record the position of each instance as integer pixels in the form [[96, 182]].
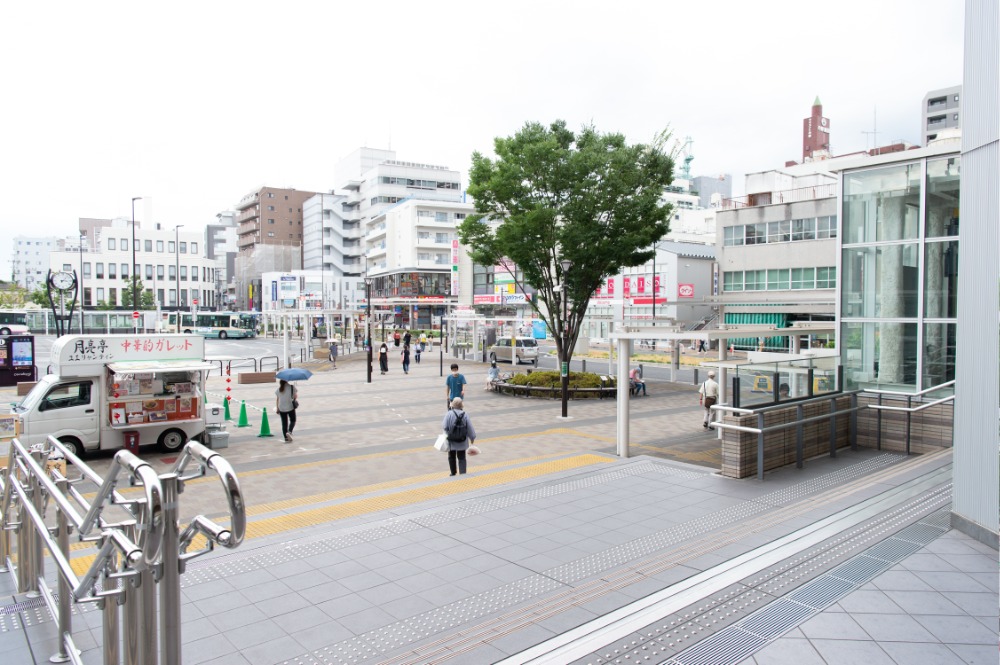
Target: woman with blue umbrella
[[286, 398]]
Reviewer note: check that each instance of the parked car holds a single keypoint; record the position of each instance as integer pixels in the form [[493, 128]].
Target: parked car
[[525, 350]]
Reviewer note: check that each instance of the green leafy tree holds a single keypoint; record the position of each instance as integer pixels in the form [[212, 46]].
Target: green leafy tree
[[104, 305], [552, 195], [145, 298], [13, 296], [40, 297]]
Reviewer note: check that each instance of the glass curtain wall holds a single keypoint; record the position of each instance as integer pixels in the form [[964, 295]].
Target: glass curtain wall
[[899, 271]]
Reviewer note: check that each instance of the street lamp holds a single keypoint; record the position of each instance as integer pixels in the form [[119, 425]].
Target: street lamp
[[135, 291], [82, 302], [177, 272], [566, 264], [368, 318]]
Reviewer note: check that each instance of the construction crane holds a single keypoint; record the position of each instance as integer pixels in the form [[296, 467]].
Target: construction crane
[[684, 150]]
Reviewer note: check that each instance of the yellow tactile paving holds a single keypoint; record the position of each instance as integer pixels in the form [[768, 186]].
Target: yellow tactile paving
[[273, 525]]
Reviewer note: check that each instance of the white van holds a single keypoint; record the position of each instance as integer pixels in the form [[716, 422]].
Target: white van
[[105, 388]]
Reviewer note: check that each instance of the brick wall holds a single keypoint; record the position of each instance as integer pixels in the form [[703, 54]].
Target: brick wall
[[930, 429]]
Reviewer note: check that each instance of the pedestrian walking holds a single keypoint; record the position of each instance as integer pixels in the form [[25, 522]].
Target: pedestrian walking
[[423, 341], [416, 353], [395, 337], [455, 384], [461, 434], [286, 401], [709, 392], [333, 353], [383, 358], [406, 358], [407, 337]]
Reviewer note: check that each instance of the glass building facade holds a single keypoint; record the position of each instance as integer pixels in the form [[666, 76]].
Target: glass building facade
[[899, 274]]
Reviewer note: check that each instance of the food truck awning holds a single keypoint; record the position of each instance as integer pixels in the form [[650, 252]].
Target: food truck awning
[[137, 366]]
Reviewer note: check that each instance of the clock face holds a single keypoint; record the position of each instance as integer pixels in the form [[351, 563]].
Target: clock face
[[63, 281], [823, 122]]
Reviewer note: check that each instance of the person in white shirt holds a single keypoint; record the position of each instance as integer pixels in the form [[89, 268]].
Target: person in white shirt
[[709, 396]]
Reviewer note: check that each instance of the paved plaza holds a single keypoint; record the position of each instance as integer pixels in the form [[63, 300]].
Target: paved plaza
[[361, 549]]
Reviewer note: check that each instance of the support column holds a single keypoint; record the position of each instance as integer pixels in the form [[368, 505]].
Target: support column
[[624, 347]]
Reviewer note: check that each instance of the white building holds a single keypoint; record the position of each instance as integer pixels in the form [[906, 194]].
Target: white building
[[168, 262], [941, 109], [221, 247], [308, 289], [332, 242], [30, 261]]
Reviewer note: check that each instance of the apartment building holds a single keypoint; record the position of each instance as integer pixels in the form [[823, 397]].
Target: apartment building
[[221, 247], [331, 243], [940, 110], [30, 260]]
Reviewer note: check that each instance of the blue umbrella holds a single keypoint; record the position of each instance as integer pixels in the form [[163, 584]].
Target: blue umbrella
[[294, 374]]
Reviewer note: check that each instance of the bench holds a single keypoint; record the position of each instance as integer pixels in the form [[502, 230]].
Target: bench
[[255, 377]]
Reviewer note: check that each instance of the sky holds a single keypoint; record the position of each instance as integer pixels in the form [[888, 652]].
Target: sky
[[192, 105]]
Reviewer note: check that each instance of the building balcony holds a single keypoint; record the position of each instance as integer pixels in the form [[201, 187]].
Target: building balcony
[[824, 191]]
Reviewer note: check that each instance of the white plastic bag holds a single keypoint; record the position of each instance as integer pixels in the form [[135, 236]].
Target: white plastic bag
[[442, 443]]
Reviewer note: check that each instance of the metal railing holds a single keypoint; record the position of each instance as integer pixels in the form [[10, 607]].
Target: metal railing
[[909, 409], [137, 555], [761, 431]]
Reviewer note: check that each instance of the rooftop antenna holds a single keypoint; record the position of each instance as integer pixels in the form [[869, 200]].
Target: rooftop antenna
[[873, 134]]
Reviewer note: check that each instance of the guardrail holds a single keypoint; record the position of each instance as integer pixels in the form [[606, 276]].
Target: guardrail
[[909, 409], [136, 556]]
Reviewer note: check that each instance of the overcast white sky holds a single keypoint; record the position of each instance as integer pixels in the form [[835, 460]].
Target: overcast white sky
[[194, 104]]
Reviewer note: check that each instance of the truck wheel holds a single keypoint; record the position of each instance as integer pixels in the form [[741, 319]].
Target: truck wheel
[[72, 444], [171, 440], [4, 331], [223, 334], [187, 332]]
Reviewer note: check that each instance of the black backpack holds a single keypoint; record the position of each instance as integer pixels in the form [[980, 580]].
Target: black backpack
[[459, 431]]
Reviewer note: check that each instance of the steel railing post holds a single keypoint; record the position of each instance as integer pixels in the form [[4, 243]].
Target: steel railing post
[[109, 611], [809, 378], [853, 422], [170, 582], [878, 425], [775, 395], [65, 593], [833, 427], [23, 548], [36, 548], [909, 417], [760, 446], [798, 436], [131, 626]]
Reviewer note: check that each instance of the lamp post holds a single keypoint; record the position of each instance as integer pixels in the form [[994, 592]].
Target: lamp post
[[135, 291], [177, 272], [565, 264], [82, 302], [368, 319]]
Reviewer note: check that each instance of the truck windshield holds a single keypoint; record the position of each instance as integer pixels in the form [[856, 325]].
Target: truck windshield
[[31, 399]]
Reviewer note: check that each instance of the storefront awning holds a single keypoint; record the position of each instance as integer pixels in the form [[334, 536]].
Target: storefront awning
[[138, 366]]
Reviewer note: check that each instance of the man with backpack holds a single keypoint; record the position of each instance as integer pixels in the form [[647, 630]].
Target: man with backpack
[[461, 434]]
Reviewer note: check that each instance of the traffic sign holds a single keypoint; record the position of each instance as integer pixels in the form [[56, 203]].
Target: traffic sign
[[195, 301], [135, 315]]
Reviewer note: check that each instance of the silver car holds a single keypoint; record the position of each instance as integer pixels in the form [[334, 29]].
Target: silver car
[[525, 350]]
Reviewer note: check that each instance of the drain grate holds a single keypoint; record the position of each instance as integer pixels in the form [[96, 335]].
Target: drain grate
[[782, 616], [29, 604], [893, 549], [822, 592], [860, 569], [734, 650]]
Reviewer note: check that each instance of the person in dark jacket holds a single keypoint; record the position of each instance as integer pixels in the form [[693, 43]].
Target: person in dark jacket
[[406, 358], [457, 448], [383, 358]]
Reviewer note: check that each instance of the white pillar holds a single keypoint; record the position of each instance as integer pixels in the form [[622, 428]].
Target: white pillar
[[624, 354]]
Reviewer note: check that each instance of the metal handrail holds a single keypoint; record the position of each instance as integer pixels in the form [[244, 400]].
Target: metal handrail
[[904, 394], [912, 409]]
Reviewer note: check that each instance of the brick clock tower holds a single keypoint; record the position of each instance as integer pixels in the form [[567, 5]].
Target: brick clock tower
[[815, 133]]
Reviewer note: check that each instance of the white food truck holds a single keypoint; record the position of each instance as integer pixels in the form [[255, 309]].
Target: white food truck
[[115, 391]]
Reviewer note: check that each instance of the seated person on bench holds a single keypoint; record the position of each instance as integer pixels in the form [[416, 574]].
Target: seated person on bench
[[635, 382]]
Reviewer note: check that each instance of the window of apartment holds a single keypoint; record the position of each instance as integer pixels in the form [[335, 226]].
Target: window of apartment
[[440, 217], [755, 234], [777, 280], [270, 195], [100, 271], [159, 246], [100, 294], [113, 297], [425, 213], [803, 278], [270, 234], [194, 248], [148, 246], [732, 281], [459, 215], [423, 256], [270, 221], [733, 236], [754, 280], [270, 208], [159, 272], [124, 244], [173, 298], [184, 273], [286, 197], [170, 246], [112, 269], [184, 248], [779, 231], [826, 227], [826, 278], [87, 301], [442, 238], [172, 272], [111, 243], [137, 244], [804, 229], [159, 296], [149, 271], [423, 235], [124, 270], [194, 273]]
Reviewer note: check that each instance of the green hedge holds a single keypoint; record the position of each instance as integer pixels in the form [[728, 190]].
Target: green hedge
[[548, 379]]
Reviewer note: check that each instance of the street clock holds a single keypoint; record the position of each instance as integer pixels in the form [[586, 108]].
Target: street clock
[[63, 281]]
